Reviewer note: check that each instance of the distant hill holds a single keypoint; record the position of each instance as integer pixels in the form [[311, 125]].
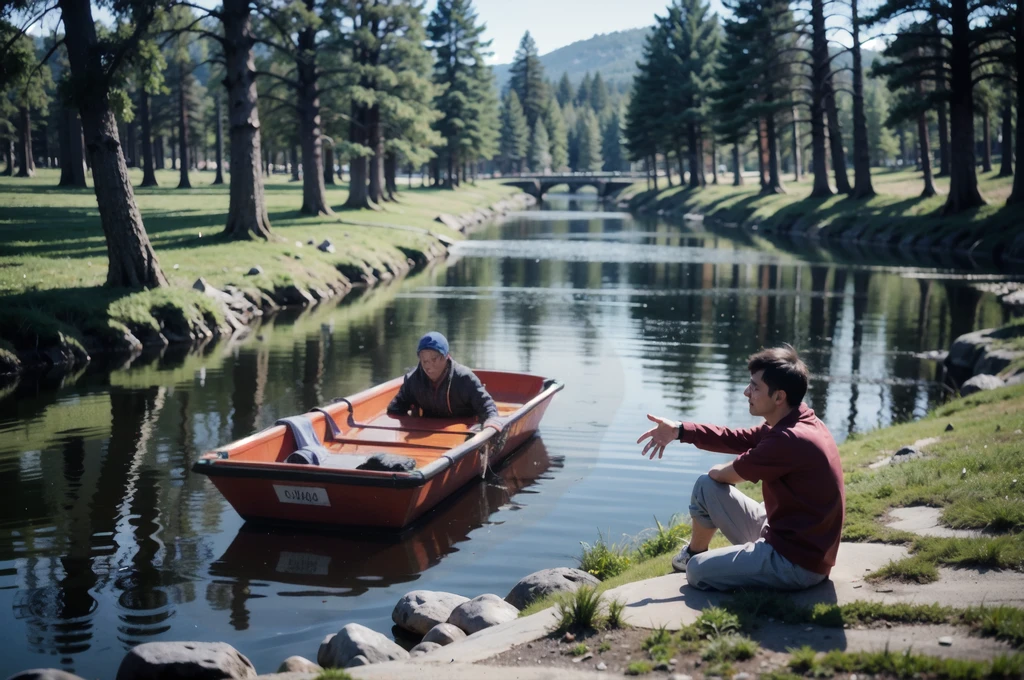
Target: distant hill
[[613, 54]]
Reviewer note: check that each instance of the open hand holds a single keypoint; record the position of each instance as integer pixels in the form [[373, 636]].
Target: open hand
[[661, 435]]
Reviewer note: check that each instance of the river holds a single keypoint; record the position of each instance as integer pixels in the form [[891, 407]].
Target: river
[[109, 540]]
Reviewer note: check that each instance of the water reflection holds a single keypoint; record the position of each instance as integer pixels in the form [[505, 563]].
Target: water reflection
[[107, 539]]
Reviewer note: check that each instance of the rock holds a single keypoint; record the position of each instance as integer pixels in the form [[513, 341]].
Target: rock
[[254, 271], [949, 427], [547, 581], [419, 611], [310, 242], [358, 660], [993, 361], [980, 383], [326, 247], [449, 221], [44, 674], [680, 676], [946, 641], [173, 660], [568, 637], [444, 634], [483, 611], [743, 676], [298, 664], [601, 666], [293, 295], [423, 648], [354, 640]]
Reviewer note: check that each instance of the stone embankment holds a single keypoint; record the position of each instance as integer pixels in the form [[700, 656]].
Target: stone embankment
[[440, 618], [233, 310], [987, 359]]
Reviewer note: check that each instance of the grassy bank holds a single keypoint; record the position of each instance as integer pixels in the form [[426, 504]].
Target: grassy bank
[[896, 215], [53, 255]]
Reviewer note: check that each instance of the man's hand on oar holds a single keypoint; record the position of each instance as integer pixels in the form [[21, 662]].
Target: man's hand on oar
[[661, 435]]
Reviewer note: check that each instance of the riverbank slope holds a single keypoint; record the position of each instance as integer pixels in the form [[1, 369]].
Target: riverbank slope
[[53, 263], [897, 216]]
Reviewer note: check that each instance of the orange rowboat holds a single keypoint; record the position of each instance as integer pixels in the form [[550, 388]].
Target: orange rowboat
[[441, 456]]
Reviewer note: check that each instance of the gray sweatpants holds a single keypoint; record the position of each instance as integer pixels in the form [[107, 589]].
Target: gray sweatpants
[[749, 562]]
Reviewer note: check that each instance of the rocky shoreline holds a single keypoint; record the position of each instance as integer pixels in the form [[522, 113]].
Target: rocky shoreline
[[234, 311]]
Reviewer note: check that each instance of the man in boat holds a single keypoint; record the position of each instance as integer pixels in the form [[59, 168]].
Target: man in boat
[[440, 387], [790, 541]]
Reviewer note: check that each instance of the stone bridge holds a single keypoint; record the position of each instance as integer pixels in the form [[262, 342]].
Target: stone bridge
[[538, 185]]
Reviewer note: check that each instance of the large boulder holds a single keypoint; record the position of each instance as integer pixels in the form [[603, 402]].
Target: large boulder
[[298, 664], [980, 383], [354, 640], [184, 660], [420, 610], [994, 360], [423, 648], [44, 674], [483, 611], [547, 581], [444, 634], [967, 349]]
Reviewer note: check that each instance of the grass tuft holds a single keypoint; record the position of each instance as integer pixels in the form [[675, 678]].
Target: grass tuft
[[639, 668], [580, 609], [616, 608], [603, 559], [664, 540]]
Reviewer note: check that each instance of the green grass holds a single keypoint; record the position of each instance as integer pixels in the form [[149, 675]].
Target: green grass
[[639, 668], [808, 663], [333, 674], [580, 610], [896, 212], [53, 254]]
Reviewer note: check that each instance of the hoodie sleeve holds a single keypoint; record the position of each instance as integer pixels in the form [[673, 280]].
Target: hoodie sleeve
[[483, 405], [403, 401]]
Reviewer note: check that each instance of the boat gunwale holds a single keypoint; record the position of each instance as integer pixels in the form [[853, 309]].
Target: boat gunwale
[[278, 471]]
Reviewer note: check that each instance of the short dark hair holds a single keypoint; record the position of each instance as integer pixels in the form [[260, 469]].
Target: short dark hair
[[783, 370]]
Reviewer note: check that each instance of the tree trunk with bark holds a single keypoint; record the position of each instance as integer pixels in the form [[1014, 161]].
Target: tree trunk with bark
[[926, 153], [293, 161], [797, 167], [1017, 193], [714, 161], [654, 170], [390, 172], [130, 145], [72, 155], [762, 153], [986, 140], [696, 162], [9, 154], [377, 159], [943, 98], [862, 187], [774, 185], [183, 150], [247, 209], [158, 151], [963, 179], [819, 74], [148, 171], [131, 259], [329, 165], [358, 198], [1006, 146], [737, 169], [314, 192], [668, 171], [835, 140], [219, 139], [27, 167]]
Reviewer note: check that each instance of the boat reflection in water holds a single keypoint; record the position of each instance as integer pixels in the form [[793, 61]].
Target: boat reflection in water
[[349, 562]]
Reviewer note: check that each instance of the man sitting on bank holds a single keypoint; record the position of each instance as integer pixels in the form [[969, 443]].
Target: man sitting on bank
[[440, 387], [789, 541]]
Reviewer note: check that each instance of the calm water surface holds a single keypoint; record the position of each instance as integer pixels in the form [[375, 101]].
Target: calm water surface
[[107, 539]]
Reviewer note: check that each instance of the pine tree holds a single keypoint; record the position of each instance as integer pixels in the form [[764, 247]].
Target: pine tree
[[588, 135], [598, 94], [557, 134], [583, 91], [611, 144], [455, 36], [540, 151], [528, 80], [26, 93], [564, 92], [515, 133]]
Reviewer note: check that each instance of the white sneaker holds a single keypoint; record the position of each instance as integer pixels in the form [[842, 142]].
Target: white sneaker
[[680, 560]]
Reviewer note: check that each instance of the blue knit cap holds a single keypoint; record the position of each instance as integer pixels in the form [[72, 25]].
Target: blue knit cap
[[435, 341]]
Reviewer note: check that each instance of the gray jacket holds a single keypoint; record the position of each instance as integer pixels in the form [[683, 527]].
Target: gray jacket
[[459, 395]]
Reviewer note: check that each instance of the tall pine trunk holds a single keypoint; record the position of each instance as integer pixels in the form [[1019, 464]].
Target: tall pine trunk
[[390, 170], [762, 153], [819, 75], [714, 160], [148, 171], [219, 139], [9, 155], [654, 169], [1017, 194], [314, 193], [1006, 147], [247, 209], [27, 167], [926, 154], [377, 159], [963, 179], [862, 187], [183, 150], [797, 163], [293, 161], [696, 171], [943, 99], [737, 169], [774, 185], [72, 155], [835, 139], [329, 165], [986, 140], [158, 151], [131, 259], [358, 197]]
